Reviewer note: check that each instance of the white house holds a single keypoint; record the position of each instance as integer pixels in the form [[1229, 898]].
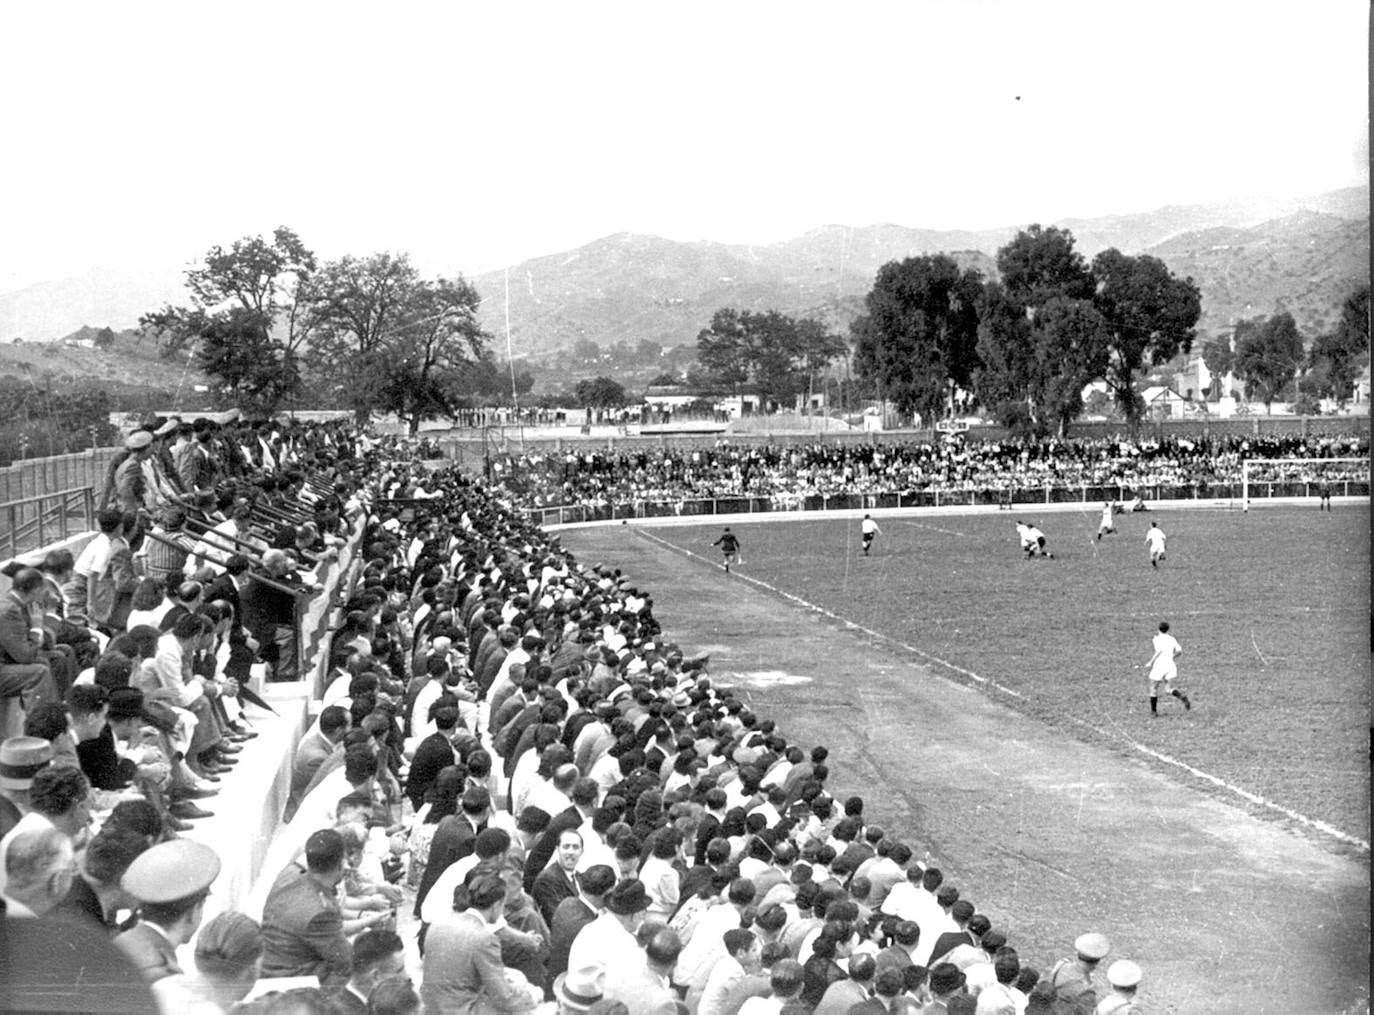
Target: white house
[[1163, 403]]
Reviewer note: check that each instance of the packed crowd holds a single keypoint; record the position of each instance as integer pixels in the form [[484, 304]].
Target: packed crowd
[[599, 478], [511, 758]]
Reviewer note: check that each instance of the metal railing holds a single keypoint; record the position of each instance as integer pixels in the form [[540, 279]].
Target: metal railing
[[31, 522], [1003, 497]]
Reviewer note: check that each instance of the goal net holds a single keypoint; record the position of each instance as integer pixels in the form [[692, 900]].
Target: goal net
[[1264, 478]]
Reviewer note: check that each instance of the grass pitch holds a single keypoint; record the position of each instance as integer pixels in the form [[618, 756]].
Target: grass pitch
[[1271, 608]]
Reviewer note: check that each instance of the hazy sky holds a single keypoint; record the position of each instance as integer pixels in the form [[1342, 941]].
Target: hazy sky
[[475, 135]]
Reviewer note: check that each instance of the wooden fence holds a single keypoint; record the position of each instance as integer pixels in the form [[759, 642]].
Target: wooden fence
[[46, 500], [38, 477]]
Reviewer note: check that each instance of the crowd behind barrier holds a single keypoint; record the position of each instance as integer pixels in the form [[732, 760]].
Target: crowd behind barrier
[[585, 485], [511, 755]]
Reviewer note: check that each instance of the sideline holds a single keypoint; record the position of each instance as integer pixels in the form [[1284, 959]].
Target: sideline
[[986, 682]]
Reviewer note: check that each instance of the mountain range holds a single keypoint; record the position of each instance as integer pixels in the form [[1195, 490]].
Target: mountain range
[[1249, 258]]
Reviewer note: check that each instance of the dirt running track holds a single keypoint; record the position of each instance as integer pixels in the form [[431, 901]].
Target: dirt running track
[[1048, 836]]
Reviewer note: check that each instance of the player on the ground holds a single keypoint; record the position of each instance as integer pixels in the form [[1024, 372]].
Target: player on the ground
[[1154, 541], [729, 547], [869, 528], [1164, 668], [1324, 491], [1032, 541], [1108, 525]]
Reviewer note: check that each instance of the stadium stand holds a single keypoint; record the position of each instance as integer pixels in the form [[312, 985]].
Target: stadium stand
[[914, 474], [597, 820]]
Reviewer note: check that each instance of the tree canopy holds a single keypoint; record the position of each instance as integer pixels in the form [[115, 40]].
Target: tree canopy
[[776, 353], [601, 393], [1149, 315], [1029, 344], [1035, 367], [919, 336], [1336, 358], [380, 336], [251, 314], [1269, 352]]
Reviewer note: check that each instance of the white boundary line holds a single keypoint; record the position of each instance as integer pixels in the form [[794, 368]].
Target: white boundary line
[[1244, 794]]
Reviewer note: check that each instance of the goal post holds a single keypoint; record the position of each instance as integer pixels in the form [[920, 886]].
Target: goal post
[[1300, 470]]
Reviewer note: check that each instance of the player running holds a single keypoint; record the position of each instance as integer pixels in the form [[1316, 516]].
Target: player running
[[1032, 541], [869, 528], [1108, 525], [1164, 668], [729, 547], [1154, 541]]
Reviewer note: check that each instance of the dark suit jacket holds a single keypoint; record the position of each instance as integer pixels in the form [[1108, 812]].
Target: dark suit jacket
[[16, 644], [434, 753], [102, 764], [551, 886], [265, 608], [451, 842], [543, 849], [81, 905], [151, 953], [947, 942], [488, 666], [570, 917], [706, 831]]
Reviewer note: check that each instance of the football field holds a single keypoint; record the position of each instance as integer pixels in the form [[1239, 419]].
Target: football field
[[1271, 608], [993, 711]]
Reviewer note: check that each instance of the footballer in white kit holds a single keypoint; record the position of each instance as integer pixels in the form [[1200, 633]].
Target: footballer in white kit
[[1164, 668], [1108, 525], [869, 528], [1154, 542], [1032, 541]]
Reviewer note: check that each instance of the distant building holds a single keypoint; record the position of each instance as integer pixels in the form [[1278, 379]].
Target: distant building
[[1164, 403], [666, 398]]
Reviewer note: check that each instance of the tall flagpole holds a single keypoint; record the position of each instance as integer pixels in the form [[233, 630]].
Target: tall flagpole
[[510, 363]]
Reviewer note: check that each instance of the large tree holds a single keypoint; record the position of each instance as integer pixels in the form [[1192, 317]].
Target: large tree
[[918, 339], [721, 348], [1336, 357], [1035, 367], [1150, 316], [419, 363], [775, 353], [1040, 264], [601, 393], [270, 279], [252, 311], [1220, 359], [390, 340], [254, 372], [1268, 354]]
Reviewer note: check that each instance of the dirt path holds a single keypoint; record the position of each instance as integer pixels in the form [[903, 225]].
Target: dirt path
[[1047, 835]]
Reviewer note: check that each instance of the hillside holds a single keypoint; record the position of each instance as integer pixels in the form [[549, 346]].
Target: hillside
[[128, 365], [1250, 257], [1306, 263], [628, 288]]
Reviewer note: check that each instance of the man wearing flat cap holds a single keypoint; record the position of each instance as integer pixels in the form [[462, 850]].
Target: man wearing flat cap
[[1072, 978], [170, 881]]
